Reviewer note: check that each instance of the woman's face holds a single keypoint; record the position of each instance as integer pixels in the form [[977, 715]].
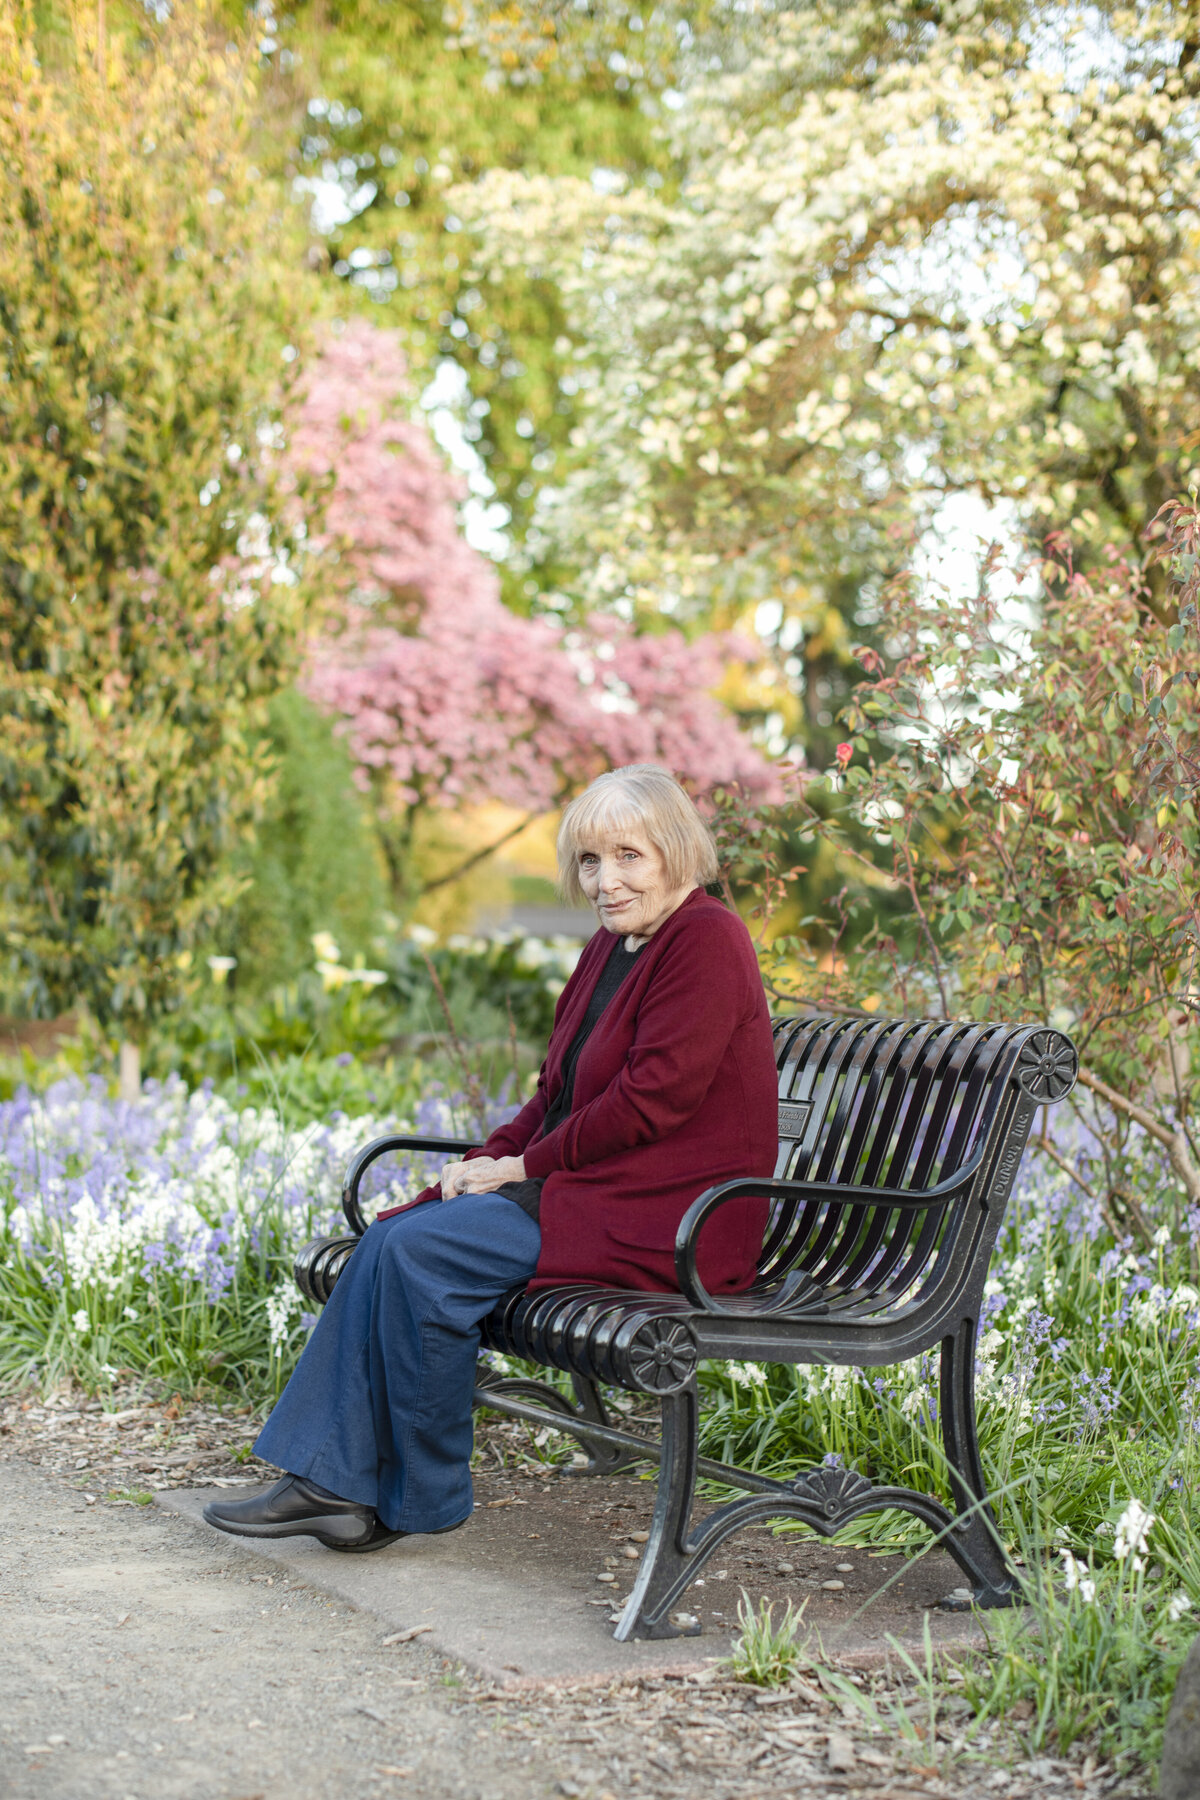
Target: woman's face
[[625, 879]]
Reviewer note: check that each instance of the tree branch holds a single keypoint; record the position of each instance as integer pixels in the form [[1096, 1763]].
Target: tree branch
[[1047, 1149], [1174, 1142], [479, 856]]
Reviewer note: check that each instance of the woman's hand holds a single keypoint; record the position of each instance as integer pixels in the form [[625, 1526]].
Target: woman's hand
[[481, 1175]]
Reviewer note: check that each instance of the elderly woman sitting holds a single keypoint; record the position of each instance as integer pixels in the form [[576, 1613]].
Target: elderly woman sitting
[[659, 1080]]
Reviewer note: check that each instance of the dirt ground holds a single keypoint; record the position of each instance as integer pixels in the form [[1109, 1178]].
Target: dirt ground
[[540, 1517], [141, 1656]]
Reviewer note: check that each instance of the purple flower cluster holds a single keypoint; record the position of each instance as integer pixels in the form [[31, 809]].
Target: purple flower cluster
[[104, 1197], [1075, 1321]]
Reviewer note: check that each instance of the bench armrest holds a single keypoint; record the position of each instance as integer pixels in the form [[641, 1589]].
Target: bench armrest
[[758, 1187], [362, 1161]]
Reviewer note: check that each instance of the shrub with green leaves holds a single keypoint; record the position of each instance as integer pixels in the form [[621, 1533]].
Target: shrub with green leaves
[[148, 586], [315, 863], [997, 786]]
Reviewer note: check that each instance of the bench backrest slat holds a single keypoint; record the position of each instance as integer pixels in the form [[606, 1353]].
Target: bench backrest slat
[[902, 1104], [886, 1103]]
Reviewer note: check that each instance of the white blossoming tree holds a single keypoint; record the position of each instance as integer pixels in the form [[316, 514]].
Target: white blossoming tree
[[915, 251]]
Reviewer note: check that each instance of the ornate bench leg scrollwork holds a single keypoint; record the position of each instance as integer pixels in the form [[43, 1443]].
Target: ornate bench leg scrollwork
[[825, 1499], [602, 1459]]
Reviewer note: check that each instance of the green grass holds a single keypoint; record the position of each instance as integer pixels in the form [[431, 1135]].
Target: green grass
[[765, 1653]]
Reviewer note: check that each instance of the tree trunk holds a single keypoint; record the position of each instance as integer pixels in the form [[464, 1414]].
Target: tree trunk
[[129, 1077], [396, 838]]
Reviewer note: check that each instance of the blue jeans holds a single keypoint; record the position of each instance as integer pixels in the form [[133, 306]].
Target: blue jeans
[[379, 1408]]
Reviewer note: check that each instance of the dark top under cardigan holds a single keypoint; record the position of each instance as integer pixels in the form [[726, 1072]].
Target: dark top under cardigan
[[675, 1089], [528, 1194]]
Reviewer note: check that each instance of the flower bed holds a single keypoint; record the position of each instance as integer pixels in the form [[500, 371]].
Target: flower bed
[[159, 1238], [156, 1242]]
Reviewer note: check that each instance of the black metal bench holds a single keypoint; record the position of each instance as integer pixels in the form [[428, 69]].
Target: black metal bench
[[898, 1144]]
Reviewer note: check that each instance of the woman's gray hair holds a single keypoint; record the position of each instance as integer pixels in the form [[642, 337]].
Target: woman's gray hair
[[642, 798]]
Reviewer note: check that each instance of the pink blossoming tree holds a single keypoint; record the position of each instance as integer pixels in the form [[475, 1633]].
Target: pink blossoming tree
[[446, 697]]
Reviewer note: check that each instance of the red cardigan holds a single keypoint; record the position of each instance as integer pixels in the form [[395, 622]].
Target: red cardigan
[[674, 1090]]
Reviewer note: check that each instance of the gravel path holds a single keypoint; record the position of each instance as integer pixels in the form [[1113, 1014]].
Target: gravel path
[[140, 1660]]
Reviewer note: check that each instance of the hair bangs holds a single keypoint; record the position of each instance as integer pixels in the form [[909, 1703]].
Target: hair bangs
[[645, 799]]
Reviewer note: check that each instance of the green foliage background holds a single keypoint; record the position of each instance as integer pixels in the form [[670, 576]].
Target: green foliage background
[[384, 100], [315, 864], [143, 627]]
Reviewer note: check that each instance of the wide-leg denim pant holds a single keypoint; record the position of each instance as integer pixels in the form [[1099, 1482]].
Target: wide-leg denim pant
[[379, 1408]]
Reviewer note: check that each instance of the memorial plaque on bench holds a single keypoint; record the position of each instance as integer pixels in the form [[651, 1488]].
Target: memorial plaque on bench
[[793, 1118]]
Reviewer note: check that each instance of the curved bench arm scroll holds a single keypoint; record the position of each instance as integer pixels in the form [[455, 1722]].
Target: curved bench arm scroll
[[363, 1159], [687, 1238]]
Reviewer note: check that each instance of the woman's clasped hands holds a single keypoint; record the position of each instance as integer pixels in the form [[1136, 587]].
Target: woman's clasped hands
[[480, 1175]]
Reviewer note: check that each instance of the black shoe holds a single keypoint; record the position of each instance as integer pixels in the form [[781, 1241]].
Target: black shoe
[[381, 1536], [298, 1508], [378, 1538]]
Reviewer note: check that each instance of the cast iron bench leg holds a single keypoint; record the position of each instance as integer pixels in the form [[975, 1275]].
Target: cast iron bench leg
[[975, 1539], [663, 1573]]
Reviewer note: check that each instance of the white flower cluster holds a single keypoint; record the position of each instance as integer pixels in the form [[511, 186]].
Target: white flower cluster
[[1078, 1579], [105, 1198], [555, 957], [333, 971], [747, 1375], [830, 1379], [1159, 1303], [1006, 1390], [916, 1404], [1132, 1535], [282, 1306]]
